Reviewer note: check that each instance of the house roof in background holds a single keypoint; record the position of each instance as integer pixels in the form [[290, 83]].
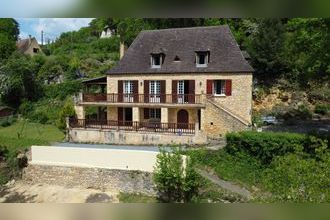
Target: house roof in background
[[225, 55], [24, 44]]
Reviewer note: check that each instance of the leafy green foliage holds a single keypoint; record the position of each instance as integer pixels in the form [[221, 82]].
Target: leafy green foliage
[[322, 109], [174, 182], [297, 179], [67, 111], [8, 35], [7, 47], [265, 49], [7, 121], [264, 145], [62, 90], [136, 198], [18, 80]]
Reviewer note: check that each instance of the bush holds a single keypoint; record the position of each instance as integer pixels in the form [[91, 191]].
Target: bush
[[67, 111], [7, 121], [322, 109], [293, 178], [267, 145], [174, 182], [264, 145], [62, 90]]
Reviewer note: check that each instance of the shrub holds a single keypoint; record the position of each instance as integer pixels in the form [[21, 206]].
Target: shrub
[[293, 178], [174, 182], [7, 121], [322, 109], [67, 111], [265, 145], [62, 90]]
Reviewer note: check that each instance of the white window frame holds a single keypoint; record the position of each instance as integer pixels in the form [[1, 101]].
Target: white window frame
[[180, 89], [128, 90], [206, 54], [153, 65], [222, 89], [154, 91]]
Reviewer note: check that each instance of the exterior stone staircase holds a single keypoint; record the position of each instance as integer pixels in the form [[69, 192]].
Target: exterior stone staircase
[[228, 112]]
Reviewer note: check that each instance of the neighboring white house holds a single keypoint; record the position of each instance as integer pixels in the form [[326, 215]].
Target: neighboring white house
[[107, 32]]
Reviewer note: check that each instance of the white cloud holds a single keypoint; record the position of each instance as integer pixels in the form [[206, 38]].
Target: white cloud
[[56, 26], [53, 27]]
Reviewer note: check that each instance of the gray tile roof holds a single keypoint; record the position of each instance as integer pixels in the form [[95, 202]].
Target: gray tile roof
[[225, 55]]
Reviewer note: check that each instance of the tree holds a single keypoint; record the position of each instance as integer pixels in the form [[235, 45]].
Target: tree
[[174, 181], [67, 111], [10, 27], [7, 47], [307, 49], [18, 80], [8, 36], [266, 48]]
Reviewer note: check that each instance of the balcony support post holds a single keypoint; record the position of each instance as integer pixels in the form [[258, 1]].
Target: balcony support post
[[136, 115]]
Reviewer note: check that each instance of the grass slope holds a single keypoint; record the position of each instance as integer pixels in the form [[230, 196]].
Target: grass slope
[[23, 134]]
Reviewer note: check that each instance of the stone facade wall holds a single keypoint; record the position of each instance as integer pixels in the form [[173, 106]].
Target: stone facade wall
[[216, 123], [122, 180], [240, 102], [132, 137]]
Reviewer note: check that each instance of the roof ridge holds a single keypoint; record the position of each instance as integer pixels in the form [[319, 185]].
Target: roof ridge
[[187, 28]]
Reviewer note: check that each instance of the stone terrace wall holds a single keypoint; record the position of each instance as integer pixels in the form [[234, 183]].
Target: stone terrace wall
[[121, 180]]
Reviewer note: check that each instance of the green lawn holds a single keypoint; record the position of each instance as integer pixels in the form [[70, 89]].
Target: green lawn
[[23, 134]]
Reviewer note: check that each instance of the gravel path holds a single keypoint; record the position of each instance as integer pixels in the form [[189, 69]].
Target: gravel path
[[225, 184]]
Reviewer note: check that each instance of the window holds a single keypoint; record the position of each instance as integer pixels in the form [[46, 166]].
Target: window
[[128, 91], [154, 91], [35, 50], [202, 59], [154, 113], [156, 60], [219, 87]]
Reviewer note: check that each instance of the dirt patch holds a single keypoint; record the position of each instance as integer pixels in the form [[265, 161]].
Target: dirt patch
[[22, 192]]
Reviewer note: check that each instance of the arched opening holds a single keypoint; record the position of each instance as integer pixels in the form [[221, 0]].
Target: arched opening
[[182, 118]]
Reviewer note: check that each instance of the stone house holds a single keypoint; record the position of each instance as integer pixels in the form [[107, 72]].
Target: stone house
[[29, 46], [184, 86]]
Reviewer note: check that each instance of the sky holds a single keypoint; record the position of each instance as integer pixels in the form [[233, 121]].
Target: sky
[[52, 27]]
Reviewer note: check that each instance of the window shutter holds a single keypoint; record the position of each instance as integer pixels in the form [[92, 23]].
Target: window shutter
[[228, 87], [120, 90], [162, 91], [146, 91], [136, 91], [146, 113], [191, 97], [174, 91], [209, 87]]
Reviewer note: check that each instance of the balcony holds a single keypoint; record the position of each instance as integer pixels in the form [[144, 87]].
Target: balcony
[[158, 127], [143, 98]]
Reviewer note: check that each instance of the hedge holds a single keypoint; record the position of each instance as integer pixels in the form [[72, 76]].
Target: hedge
[[267, 145]]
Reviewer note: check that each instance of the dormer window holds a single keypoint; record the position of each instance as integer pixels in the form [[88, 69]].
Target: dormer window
[[156, 60], [202, 58]]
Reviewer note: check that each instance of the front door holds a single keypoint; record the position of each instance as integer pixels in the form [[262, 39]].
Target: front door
[[182, 118]]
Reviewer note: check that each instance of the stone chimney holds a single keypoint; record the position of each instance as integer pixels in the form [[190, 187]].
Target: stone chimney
[[122, 49]]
